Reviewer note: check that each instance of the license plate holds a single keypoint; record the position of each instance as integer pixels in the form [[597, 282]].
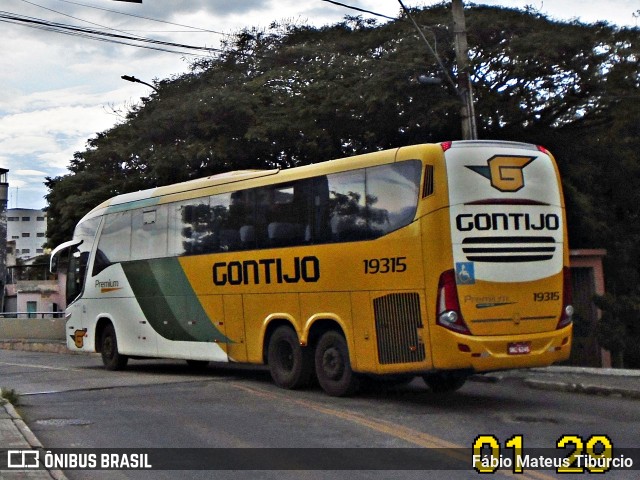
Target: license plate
[[519, 348]]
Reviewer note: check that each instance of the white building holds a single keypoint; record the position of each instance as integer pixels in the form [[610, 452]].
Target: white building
[[28, 229]]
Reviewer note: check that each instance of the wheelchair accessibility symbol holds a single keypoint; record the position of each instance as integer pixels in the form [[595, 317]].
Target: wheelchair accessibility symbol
[[465, 273]]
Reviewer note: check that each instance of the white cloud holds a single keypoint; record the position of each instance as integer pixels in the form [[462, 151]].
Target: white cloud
[[30, 173]]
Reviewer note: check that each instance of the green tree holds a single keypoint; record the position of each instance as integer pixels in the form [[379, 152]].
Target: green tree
[[294, 94], [617, 330]]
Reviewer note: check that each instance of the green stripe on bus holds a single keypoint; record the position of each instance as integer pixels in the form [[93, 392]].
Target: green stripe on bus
[[142, 203], [168, 301]]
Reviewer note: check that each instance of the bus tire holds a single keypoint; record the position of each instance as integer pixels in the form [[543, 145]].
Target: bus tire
[[290, 365], [112, 359], [444, 382], [198, 364], [333, 367]]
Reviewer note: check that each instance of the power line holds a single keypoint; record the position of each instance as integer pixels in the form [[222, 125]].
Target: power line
[[71, 16], [199, 29], [93, 34], [360, 9]]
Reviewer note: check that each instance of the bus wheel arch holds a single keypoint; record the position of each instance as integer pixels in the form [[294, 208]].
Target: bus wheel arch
[[331, 358], [290, 364], [107, 345]]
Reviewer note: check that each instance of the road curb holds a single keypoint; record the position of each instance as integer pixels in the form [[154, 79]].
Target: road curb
[[28, 345], [581, 388], [30, 438]]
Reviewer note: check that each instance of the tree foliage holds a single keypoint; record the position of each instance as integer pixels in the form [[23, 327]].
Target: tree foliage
[[295, 94]]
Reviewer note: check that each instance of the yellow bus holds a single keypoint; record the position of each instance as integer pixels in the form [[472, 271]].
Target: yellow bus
[[436, 260]]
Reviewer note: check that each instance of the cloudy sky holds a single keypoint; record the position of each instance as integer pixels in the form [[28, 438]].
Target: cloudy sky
[[58, 90]]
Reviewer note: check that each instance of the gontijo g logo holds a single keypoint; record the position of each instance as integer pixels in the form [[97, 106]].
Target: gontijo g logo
[[504, 171]]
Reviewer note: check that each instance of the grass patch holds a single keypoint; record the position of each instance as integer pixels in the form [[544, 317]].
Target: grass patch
[[9, 395]]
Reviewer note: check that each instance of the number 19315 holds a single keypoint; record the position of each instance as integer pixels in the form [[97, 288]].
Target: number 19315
[[385, 265]]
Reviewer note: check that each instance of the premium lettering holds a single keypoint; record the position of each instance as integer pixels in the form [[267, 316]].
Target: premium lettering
[[267, 271]]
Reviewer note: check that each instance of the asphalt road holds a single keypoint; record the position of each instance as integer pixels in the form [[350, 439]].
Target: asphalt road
[[69, 401]]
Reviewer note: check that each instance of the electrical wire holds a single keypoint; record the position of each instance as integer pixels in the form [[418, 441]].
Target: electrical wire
[[71, 16], [195, 29], [360, 9], [9, 17]]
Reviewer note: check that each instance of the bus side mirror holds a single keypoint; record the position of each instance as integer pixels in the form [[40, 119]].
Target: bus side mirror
[[53, 263]]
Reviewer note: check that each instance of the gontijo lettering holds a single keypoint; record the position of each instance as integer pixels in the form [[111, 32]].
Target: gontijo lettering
[[267, 270], [466, 222]]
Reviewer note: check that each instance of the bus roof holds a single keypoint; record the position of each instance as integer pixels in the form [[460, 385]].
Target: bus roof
[[240, 179]]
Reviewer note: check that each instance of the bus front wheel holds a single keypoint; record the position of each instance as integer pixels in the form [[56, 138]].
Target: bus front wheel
[[290, 365], [112, 359], [444, 382], [333, 367]]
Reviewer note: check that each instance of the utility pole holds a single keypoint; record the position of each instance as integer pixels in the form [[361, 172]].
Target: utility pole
[[467, 111], [463, 87]]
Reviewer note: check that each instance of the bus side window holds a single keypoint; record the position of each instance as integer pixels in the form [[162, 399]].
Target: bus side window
[[149, 233], [320, 226], [392, 196], [288, 215], [189, 225], [347, 207], [114, 244], [226, 232]]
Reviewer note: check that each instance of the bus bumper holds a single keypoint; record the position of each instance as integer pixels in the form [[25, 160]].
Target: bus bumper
[[452, 350]]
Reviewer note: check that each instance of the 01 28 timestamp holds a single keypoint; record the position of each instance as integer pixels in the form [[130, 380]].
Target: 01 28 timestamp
[[572, 454]]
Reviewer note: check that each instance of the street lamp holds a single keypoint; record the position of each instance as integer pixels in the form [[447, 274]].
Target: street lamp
[[133, 79]]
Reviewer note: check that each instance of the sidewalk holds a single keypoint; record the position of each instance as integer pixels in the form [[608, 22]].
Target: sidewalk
[[594, 381], [16, 435]]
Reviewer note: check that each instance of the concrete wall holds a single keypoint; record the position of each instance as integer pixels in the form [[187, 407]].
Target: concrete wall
[[33, 334], [32, 329]]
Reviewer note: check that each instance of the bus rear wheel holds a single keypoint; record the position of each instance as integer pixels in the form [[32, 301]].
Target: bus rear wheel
[[112, 359], [444, 382], [290, 365], [333, 367]]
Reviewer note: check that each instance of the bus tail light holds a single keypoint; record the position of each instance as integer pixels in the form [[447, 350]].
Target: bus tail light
[[448, 314], [543, 150], [566, 314], [446, 146]]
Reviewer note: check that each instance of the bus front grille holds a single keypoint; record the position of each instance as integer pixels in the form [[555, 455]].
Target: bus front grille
[[398, 318], [508, 249]]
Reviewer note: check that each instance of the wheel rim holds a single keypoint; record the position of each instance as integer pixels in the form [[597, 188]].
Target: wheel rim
[[107, 347], [284, 355], [332, 363]]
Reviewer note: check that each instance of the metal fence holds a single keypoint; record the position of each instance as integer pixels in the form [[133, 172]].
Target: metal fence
[[31, 314]]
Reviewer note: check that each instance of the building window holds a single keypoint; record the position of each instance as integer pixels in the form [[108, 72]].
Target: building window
[[15, 237], [39, 250], [26, 219], [32, 308], [26, 250], [26, 235], [40, 219], [13, 219], [40, 234]]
